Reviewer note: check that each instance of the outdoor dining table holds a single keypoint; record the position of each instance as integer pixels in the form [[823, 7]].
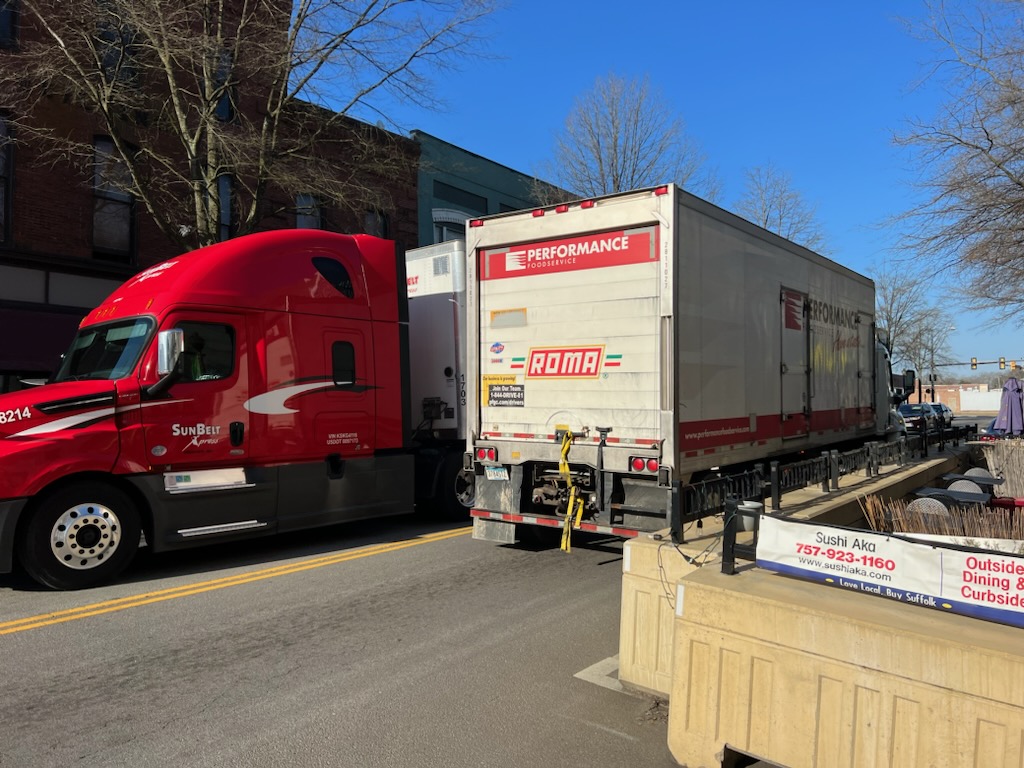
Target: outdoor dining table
[[961, 497], [982, 480]]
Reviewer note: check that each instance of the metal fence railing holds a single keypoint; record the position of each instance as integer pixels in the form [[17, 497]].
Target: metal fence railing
[[722, 495]]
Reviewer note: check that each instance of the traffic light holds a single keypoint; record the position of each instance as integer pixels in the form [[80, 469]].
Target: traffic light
[[974, 363], [1002, 363]]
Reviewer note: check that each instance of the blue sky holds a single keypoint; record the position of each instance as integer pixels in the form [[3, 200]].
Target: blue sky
[[816, 88]]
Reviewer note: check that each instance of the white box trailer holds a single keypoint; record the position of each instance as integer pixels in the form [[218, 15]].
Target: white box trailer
[[669, 337], [436, 288]]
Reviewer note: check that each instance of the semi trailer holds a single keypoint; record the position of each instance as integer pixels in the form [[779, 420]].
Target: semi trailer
[[621, 345]]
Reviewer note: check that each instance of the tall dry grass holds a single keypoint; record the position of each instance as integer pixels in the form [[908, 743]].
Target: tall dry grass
[[933, 517]]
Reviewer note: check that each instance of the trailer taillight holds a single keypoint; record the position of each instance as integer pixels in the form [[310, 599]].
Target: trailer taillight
[[644, 464], [587, 204], [538, 213], [486, 454], [659, 191], [475, 223], [562, 208]]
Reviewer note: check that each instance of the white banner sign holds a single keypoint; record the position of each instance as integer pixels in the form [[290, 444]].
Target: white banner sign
[[986, 585]]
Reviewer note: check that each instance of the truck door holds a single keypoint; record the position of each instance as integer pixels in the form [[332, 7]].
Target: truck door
[[865, 367], [795, 368], [197, 436], [206, 426]]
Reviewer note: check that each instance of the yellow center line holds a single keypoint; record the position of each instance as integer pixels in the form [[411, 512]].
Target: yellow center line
[[187, 590]]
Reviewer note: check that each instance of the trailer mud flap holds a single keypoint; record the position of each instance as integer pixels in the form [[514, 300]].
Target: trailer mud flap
[[494, 530]]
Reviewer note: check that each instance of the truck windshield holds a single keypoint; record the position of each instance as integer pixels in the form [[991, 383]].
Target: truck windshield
[[107, 351]]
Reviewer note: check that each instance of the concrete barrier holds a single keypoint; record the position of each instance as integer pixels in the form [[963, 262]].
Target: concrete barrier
[[808, 675], [803, 674]]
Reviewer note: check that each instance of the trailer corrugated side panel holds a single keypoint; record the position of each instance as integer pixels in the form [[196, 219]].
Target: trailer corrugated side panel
[[775, 343]]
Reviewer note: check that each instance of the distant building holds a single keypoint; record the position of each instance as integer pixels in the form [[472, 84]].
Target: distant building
[[68, 236], [68, 240], [455, 185]]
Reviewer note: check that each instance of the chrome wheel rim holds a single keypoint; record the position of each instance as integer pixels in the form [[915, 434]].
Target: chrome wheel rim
[[85, 536]]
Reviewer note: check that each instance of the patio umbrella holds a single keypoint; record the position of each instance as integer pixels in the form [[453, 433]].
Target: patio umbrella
[[1011, 410]]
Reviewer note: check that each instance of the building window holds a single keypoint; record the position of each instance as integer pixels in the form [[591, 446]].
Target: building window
[[113, 217], [6, 180], [448, 225], [8, 23], [307, 212], [376, 224], [460, 197], [115, 44], [225, 108], [225, 197]]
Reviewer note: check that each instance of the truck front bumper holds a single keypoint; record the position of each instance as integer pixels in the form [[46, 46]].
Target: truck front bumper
[[10, 513]]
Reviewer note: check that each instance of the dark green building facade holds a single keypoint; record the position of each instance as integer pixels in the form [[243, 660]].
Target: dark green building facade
[[455, 185]]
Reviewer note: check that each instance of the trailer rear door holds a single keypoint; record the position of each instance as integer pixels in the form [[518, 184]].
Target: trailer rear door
[[569, 337]]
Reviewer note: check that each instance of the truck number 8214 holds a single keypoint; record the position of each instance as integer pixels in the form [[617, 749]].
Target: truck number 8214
[[6, 417]]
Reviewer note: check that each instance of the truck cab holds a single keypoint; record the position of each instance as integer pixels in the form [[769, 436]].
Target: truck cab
[[251, 387]]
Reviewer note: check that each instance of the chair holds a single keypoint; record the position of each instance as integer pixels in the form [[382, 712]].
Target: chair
[[929, 505], [965, 485], [978, 472]]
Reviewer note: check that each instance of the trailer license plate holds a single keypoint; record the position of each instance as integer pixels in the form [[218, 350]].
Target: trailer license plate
[[496, 473]]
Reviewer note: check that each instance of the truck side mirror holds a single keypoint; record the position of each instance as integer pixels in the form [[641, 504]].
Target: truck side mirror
[[909, 380], [170, 347]]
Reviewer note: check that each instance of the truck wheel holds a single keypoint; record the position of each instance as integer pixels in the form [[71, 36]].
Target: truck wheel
[[458, 489], [80, 536]]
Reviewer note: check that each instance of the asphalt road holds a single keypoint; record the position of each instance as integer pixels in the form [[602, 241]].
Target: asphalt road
[[385, 644]]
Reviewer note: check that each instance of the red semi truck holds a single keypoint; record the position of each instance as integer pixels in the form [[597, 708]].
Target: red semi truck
[[256, 386]]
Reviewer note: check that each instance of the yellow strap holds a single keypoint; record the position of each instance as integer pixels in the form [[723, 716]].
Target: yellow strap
[[575, 505], [563, 459], [567, 525]]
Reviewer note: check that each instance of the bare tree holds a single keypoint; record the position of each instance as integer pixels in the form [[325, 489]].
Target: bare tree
[[622, 135], [971, 154], [916, 329], [771, 201], [257, 92], [901, 307], [926, 343]]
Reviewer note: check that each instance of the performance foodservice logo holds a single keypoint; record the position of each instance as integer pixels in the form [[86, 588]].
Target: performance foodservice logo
[[793, 309], [607, 249]]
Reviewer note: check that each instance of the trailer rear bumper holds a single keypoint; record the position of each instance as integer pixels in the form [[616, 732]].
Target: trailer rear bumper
[[498, 526]]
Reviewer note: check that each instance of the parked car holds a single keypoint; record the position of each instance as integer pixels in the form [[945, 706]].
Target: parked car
[[945, 413], [899, 424], [988, 431], [914, 412]]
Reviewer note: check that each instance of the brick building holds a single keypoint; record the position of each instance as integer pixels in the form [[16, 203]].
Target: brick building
[[68, 236]]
